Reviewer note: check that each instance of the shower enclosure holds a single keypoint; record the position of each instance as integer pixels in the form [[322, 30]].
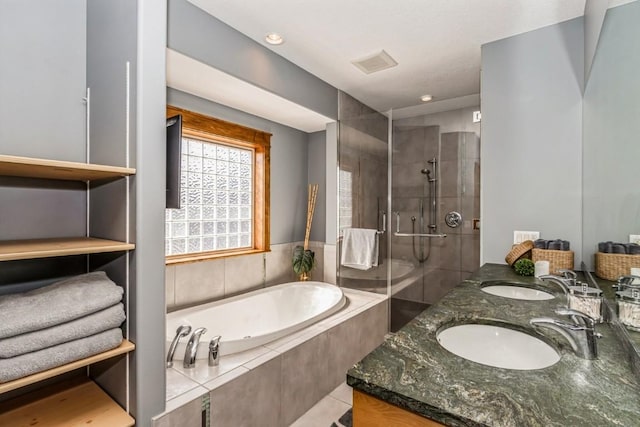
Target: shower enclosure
[[416, 181]]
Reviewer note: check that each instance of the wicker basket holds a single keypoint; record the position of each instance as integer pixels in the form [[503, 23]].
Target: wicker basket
[[558, 260], [612, 266], [518, 251]]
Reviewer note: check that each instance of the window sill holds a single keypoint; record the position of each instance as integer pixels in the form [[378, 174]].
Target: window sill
[[208, 256]]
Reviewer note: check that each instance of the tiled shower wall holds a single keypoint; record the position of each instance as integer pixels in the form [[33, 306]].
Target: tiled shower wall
[[363, 156], [199, 282], [453, 258]]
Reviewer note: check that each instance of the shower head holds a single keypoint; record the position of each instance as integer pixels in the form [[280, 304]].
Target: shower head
[[426, 172]]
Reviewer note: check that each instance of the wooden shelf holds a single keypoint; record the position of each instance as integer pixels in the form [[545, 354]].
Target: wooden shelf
[[46, 248], [123, 348], [56, 169], [77, 402]]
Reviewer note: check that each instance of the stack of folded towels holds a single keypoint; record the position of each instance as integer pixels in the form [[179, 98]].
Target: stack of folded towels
[[58, 324], [619, 248]]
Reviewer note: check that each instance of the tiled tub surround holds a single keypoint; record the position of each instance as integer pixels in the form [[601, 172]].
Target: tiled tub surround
[[411, 370], [194, 283], [274, 384]]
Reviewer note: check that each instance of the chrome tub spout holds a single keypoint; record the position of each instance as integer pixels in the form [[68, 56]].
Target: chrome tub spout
[[192, 348]]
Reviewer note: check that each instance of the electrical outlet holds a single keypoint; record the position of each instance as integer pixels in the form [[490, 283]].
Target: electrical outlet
[[521, 236], [634, 238]]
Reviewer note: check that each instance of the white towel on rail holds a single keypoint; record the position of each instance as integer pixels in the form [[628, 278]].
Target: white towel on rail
[[359, 248]]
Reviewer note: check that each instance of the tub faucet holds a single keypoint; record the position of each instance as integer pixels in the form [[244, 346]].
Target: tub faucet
[[580, 333], [563, 282], [192, 348], [182, 331], [214, 351]]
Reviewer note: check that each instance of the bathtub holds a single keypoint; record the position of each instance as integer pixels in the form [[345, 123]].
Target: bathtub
[[256, 318]]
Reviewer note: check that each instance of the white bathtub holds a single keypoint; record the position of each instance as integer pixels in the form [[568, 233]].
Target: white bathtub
[[256, 318]]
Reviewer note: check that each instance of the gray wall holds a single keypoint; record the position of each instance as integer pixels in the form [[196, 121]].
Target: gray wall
[[200, 36], [316, 173], [42, 84], [532, 137], [594, 13], [611, 132], [42, 78], [449, 121], [288, 164]]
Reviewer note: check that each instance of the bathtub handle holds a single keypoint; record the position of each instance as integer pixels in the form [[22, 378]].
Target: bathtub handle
[[214, 351]]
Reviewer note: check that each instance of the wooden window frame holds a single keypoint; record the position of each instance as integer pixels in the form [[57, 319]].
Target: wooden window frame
[[206, 128]]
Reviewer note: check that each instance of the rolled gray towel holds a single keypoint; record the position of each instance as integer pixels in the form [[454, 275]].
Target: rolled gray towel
[[57, 303], [37, 361], [94, 323]]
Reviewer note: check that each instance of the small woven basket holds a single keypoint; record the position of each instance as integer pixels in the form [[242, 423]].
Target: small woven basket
[[612, 266], [558, 260], [518, 251]]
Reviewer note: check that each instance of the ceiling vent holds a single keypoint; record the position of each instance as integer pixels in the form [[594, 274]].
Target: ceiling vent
[[378, 62]]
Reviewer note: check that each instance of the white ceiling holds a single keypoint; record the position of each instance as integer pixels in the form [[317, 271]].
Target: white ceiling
[[435, 42]]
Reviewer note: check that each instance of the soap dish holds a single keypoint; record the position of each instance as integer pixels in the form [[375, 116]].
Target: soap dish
[[518, 251]]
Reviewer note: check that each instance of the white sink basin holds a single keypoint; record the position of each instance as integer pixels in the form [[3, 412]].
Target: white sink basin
[[517, 292], [497, 346]]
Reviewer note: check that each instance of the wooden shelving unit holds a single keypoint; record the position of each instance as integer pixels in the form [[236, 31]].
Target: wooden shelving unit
[[79, 401], [45, 248], [123, 348], [29, 167], [74, 403]]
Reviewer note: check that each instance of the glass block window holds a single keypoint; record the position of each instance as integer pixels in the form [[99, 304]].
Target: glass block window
[[216, 200], [345, 199]]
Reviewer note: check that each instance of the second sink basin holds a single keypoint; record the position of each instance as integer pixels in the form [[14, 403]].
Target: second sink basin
[[497, 346], [513, 291]]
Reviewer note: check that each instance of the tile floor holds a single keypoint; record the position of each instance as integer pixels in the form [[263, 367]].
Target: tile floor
[[330, 411]]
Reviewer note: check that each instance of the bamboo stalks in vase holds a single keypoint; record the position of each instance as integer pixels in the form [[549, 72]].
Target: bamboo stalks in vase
[[311, 206]]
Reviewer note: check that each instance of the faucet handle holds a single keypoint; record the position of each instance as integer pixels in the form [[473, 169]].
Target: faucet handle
[[585, 319], [567, 274], [214, 350], [626, 281]]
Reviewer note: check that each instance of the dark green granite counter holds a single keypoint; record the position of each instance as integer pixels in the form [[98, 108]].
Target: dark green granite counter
[[411, 370]]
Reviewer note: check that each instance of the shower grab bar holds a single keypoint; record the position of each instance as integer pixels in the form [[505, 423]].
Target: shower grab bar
[[399, 234], [418, 235]]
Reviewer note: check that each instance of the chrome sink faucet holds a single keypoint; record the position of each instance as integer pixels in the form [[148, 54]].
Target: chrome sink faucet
[[563, 282], [625, 281], [182, 331], [192, 348], [581, 333]]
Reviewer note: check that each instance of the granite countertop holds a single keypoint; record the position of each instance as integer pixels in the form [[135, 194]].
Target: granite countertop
[[411, 370]]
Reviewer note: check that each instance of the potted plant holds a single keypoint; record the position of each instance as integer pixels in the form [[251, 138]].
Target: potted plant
[[304, 258]]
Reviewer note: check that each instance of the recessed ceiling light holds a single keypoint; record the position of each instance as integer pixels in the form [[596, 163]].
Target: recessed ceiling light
[[426, 98], [274, 38]]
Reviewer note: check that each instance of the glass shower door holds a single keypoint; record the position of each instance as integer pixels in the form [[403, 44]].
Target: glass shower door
[[435, 203]]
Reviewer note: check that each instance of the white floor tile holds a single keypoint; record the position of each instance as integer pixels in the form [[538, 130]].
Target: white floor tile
[[325, 412], [343, 393]]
